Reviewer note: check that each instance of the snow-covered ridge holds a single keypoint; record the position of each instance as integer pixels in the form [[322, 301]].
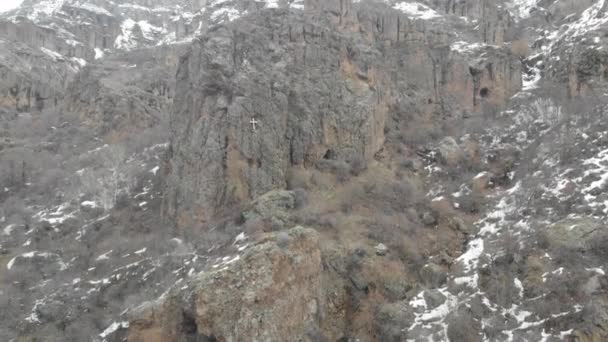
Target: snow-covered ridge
[[44, 8], [128, 39], [590, 20]]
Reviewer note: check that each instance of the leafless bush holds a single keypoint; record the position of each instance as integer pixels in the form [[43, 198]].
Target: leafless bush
[[471, 203], [297, 179], [358, 165], [301, 198], [256, 226], [313, 218], [463, 327], [50, 180], [410, 254], [391, 195], [337, 167], [108, 182]]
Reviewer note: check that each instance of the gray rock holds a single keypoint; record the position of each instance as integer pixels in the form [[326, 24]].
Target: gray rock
[[429, 218], [433, 298], [391, 321], [381, 249], [575, 234]]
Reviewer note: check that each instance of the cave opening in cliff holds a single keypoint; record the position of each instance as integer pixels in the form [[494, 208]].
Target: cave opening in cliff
[[484, 92], [329, 155]]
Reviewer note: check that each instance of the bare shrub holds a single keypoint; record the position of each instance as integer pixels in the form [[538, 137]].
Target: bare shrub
[[301, 198], [297, 179], [256, 226], [342, 172], [105, 184], [358, 165], [472, 203], [314, 218], [50, 180], [390, 195], [419, 134], [463, 327], [410, 254]]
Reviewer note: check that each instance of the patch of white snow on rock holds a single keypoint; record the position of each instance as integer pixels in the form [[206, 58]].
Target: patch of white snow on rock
[[417, 10]]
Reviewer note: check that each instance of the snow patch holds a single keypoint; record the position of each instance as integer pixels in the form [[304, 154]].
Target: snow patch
[[95, 9], [98, 53], [240, 238], [89, 204], [44, 8], [141, 251], [113, 328], [8, 230], [470, 259], [417, 10], [104, 256], [521, 8], [56, 56]]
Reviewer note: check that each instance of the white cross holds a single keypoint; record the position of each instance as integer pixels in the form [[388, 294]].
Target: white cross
[[253, 122]]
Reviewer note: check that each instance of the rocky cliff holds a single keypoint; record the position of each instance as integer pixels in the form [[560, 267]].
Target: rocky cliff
[[282, 89], [246, 297], [236, 170]]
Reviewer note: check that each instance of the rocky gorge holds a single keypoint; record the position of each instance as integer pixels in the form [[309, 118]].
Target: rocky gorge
[[339, 170]]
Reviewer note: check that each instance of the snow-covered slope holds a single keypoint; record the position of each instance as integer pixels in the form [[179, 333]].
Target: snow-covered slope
[[105, 26], [92, 247]]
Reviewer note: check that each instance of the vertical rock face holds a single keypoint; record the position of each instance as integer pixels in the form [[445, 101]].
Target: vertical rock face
[[313, 93], [495, 22], [126, 92], [281, 88], [31, 80]]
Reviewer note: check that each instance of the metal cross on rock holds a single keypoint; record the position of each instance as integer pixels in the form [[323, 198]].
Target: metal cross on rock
[[253, 123]]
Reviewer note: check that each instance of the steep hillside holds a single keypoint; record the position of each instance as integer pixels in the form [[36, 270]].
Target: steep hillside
[[339, 170]]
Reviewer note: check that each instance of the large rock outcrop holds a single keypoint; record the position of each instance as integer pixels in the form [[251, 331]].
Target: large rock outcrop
[[272, 293], [126, 92], [282, 88], [32, 79], [495, 22]]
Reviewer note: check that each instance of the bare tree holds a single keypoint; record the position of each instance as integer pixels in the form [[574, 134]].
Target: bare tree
[[107, 181]]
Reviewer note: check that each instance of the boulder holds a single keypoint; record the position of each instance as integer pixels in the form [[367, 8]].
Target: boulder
[[576, 234], [449, 151], [434, 298], [269, 294], [429, 219], [391, 321], [381, 249], [481, 182]]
